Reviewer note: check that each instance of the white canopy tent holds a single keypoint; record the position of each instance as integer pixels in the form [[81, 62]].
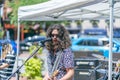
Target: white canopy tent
[[47, 9], [70, 10], [92, 9]]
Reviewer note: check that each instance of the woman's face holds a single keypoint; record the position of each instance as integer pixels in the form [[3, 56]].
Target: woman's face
[[55, 35]]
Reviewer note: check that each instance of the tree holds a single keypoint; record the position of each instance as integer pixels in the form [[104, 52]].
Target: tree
[[15, 4]]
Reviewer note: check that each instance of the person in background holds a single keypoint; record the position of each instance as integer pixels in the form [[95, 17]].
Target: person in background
[[60, 42], [42, 32], [7, 61], [117, 70], [117, 67]]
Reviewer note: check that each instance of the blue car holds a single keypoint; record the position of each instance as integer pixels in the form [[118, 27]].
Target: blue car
[[95, 44]]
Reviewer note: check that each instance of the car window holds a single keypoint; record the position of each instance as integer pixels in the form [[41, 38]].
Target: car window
[[105, 43], [73, 30], [88, 43]]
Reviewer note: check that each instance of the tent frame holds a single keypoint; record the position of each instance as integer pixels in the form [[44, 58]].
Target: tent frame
[[112, 2], [110, 40]]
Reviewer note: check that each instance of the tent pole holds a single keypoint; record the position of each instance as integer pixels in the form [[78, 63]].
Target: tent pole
[[110, 40], [18, 41]]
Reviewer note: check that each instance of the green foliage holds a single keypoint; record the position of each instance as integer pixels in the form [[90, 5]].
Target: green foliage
[[15, 4], [30, 2], [34, 47], [94, 22], [38, 78], [1, 33], [33, 68]]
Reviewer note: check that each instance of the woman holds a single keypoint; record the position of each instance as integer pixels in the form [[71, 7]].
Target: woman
[[7, 61], [60, 42]]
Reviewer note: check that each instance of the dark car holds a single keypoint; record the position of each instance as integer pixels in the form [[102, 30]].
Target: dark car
[[26, 43]]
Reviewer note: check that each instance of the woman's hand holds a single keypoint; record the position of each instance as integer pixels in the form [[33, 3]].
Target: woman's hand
[[47, 77]]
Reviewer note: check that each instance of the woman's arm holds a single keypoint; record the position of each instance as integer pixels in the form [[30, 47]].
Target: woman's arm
[[69, 75], [4, 65]]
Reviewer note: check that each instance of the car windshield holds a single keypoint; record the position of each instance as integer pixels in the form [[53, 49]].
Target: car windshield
[[93, 42], [88, 43]]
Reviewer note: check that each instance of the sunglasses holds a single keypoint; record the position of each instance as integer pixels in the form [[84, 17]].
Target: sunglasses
[[56, 35]]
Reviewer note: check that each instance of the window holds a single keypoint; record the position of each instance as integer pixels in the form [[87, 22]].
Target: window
[[88, 43], [74, 31], [105, 43]]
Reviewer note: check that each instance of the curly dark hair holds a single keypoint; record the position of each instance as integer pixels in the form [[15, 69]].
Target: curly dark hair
[[64, 40]]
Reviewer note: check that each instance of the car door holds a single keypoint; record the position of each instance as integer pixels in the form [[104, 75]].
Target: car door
[[86, 45]]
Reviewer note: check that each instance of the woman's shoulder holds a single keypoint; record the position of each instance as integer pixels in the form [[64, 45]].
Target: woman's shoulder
[[67, 49]]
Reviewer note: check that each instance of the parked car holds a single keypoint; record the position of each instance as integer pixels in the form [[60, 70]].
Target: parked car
[[95, 44], [73, 32], [26, 43]]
